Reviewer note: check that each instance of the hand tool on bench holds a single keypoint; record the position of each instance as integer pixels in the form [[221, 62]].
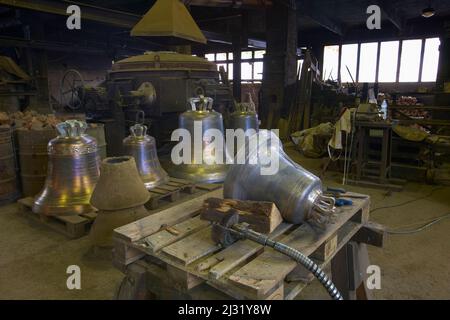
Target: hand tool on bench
[[342, 193], [228, 230]]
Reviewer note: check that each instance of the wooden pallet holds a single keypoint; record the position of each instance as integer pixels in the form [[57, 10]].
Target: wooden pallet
[[174, 248], [73, 226], [171, 191], [76, 226]]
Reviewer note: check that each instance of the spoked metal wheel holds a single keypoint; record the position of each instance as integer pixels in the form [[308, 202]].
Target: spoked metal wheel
[[72, 90]]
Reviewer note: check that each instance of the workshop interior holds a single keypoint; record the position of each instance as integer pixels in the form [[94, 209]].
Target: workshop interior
[[224, 150]]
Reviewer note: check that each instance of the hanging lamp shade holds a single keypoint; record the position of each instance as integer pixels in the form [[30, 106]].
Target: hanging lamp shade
[[168, 18]]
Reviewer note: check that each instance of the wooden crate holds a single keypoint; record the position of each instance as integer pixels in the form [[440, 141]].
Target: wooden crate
[[171, 191], [174, 249], [73, 226]]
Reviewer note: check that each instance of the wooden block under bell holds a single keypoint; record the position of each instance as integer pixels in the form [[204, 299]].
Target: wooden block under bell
[[262, 216]]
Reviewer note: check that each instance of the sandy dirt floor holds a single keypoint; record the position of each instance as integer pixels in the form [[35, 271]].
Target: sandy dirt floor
[[33, 259]]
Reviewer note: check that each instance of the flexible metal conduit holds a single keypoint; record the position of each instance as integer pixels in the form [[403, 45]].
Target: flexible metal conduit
[[294, 254]]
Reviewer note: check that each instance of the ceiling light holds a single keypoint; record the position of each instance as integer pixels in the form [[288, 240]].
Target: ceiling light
[[428, 12]]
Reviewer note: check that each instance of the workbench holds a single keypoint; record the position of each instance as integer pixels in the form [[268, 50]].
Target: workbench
[[170, 255]]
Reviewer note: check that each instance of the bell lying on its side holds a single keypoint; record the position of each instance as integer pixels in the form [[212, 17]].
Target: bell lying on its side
[[295, 191], [143, 148], [73, 170]]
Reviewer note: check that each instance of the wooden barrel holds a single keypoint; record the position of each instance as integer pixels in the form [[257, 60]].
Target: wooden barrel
[[97, 130], [33, 158], [9, 190]]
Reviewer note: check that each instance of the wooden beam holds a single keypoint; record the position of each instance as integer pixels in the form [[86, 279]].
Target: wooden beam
[[390, 12], [104, 15], [315, 13], [371, 233]]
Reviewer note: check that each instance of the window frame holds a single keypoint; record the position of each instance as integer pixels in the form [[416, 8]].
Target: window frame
[[422, 53], [251, 61]]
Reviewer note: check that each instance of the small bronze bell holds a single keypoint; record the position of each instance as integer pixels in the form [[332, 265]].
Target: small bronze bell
[[245, 117], [73, 171], [143, 148]]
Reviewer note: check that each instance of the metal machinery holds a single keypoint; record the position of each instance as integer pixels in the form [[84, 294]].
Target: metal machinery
[[158, 83]]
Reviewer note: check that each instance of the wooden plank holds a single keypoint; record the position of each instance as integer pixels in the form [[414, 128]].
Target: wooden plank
[[262, 216], [174, 184], [147, 226], [267, 270], [72, 219], [181, 279], [183, 181], [26, 202], [123, 254], [166, 237], [326, 249], [371, 233], [158, 191], [193, 247], [344, 235], [236, 254], [89, 215], [168, 187], [208, 186]]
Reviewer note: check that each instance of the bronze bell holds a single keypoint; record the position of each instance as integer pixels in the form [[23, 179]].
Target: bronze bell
[[197, 121], [73, 171], [143, 148], [245, 117], [297, 192]]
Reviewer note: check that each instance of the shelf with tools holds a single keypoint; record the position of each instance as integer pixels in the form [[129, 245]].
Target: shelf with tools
[[175, 256]]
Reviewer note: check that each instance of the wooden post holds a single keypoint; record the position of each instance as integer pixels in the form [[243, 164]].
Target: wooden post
[[280, 62], [237, 67]]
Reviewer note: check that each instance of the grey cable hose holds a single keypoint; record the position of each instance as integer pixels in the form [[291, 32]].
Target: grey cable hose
[[428, 224], [297, 256]]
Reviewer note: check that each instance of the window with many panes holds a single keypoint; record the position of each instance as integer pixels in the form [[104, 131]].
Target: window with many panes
[[251, 64], [412, 60]]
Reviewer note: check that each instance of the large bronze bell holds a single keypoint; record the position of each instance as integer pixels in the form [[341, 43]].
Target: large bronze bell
[[73, 171], [296, 192], [197, 121], [143, 148]]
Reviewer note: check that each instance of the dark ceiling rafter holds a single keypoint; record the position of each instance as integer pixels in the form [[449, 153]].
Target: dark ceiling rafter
[[390, 12], [103, 15], [316, 13]]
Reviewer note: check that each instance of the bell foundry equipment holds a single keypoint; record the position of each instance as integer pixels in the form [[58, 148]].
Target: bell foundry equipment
[[119, 196], [210, 169], [158, 83], [73, 171]]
